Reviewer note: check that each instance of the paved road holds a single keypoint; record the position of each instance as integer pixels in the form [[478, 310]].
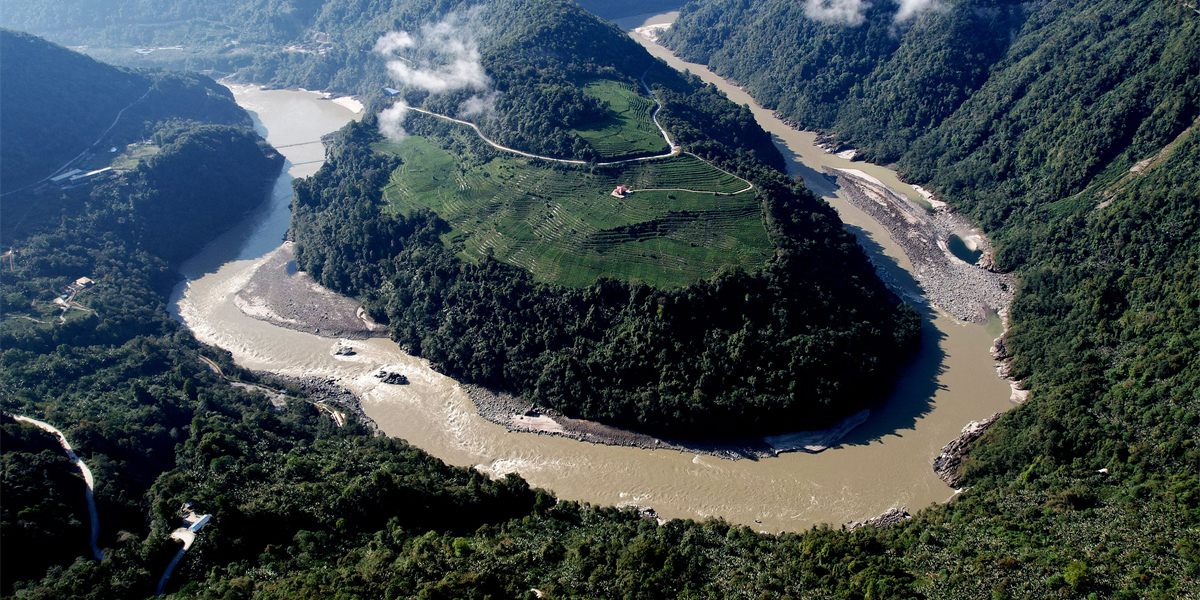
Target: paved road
[[186, 536], [87, 478], [654, 116]]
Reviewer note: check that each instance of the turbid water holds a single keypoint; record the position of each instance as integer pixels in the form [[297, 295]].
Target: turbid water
[[882, 464]]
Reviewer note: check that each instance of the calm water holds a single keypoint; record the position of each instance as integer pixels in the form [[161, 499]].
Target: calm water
[[883, 464]]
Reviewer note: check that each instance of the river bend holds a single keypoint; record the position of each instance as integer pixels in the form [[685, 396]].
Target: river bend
[[884, 463]]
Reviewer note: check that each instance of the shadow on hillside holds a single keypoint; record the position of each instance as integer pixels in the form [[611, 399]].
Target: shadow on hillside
[[814, 180], [912, 396]]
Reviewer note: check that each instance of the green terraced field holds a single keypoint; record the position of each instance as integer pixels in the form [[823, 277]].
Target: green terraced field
[[564, 226], [630, 130]]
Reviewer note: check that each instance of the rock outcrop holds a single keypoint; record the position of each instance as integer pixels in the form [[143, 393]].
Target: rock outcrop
[[392, 378], [948, 464], [1004, 371], [887, 519]]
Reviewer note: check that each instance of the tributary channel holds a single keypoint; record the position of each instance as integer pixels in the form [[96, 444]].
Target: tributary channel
[[882, 464]]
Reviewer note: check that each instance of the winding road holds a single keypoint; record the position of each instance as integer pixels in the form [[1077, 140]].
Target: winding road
[[87, 478], [653, 115], [188, 537]]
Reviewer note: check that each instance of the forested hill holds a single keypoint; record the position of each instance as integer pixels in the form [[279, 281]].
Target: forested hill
[[177, 162], [59, 104], [690, 308]]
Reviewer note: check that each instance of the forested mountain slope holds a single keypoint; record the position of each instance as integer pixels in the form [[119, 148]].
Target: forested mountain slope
[[186, 165], [1000, 106], [1109, 343], [96, 366], [1067, 129], [59, 104]]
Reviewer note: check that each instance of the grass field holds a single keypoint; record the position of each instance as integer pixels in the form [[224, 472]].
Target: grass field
[[133, 154], [630, 130], [564, 226]]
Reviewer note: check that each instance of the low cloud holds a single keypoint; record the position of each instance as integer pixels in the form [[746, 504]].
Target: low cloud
[[853, 12], [442, 57], [478, 105], [843, 12], [391, 121], [910, 9]]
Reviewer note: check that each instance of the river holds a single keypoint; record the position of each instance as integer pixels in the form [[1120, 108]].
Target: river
[[882, 464]]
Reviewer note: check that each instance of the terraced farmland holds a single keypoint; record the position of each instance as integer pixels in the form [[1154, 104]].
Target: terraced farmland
[[683, 222], [629, 131]]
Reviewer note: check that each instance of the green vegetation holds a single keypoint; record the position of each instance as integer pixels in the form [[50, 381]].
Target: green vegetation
[[134, 155], [698, 305], [1104, 327], [60, 104], [303, 508], [683, 223], [44, 513], [116, 230], [629, 131], [673, 360], [1073, 143]]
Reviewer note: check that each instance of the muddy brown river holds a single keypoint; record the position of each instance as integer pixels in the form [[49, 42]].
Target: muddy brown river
[[882, 464]]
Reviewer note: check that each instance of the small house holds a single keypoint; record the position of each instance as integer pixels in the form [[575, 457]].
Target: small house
[[621, 192], [391, 91], [84, 283]]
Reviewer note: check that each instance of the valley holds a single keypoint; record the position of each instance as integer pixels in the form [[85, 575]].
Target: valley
[[533, 313]]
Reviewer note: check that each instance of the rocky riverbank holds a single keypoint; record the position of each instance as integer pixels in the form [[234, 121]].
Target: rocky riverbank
[[968, 291], [948, 464], [893, 516], [281, 295], [324, 391], [1004, 369], [516, 414]]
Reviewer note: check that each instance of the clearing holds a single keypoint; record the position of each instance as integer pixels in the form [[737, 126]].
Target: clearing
[[679, 220], [629, 131]]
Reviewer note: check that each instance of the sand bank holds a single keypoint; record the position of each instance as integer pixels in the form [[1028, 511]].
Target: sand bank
[[279, 294]]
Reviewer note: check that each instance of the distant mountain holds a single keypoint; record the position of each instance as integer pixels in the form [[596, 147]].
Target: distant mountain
[[59, 104], [156, 160]]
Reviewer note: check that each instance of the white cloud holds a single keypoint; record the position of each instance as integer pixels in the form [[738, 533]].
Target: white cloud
[[846, 12], [910, 9], [477, 105], [392, 41], [442, 58], [391, 121]]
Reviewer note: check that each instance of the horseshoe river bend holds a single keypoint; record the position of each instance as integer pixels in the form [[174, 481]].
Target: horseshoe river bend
[[883, 463]]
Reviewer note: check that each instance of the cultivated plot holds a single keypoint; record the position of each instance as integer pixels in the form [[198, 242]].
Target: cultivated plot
[[678, 221]]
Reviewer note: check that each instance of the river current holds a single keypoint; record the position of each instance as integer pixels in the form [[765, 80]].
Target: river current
[[882, 464]]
